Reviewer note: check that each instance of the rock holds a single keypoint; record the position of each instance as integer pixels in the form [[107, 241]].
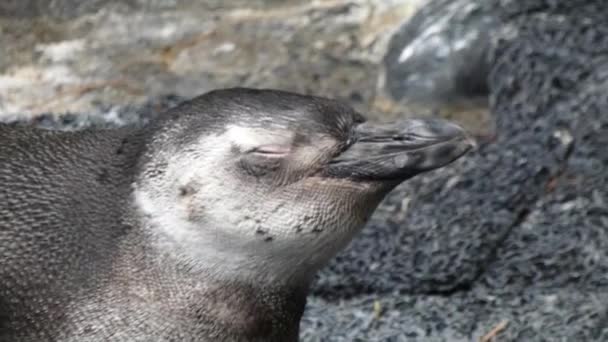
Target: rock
[[80, 56], [439, 59], [442, 52], [515, 232], [69, 9], [101, 118]]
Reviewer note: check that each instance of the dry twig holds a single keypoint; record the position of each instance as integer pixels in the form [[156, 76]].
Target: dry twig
[[489, 337]]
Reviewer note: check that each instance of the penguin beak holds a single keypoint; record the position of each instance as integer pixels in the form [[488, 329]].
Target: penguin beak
[[401, 150]]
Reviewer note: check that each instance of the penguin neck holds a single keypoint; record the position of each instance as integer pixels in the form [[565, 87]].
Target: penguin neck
[[218, 296], [250, 293], [213, 255], [254, 311]]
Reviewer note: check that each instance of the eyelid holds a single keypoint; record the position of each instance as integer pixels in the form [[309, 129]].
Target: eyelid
[[271, 150]]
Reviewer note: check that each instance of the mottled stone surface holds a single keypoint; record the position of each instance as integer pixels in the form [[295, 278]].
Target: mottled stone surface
[[439, 60], [77, 56], [515, 232], [447, 44]]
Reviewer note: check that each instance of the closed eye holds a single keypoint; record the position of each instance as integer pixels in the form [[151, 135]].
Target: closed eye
[[273, 151]]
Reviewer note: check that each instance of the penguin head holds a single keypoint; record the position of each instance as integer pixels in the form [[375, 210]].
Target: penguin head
[[270, 184]]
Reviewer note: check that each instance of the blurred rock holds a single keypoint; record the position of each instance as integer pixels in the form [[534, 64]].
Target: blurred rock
[[439, 60], [80, 56], [70, 9]]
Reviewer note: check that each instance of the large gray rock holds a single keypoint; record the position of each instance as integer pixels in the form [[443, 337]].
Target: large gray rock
[[82, 56], [441, 54], [437, 63]]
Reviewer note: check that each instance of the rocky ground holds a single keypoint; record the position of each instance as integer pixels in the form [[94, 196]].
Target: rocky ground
[[511, 241]]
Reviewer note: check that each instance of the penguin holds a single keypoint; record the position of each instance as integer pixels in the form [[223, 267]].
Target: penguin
[[207, 224]]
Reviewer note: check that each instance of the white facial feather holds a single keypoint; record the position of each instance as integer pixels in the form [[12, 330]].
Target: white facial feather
[[239, 230]]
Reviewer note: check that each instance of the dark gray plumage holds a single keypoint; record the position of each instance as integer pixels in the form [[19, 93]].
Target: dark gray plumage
[[208, 224]]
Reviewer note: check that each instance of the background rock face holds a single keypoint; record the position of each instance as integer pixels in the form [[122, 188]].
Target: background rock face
[[516, 232], [68, 55], [439, 61], [431, 57]]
